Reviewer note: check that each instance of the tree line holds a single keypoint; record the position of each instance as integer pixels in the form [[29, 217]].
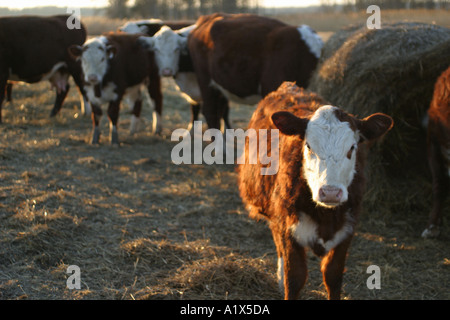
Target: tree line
[[177, 9], [355, 5]]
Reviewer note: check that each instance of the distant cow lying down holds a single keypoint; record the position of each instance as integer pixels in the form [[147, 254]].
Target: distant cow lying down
[[315, 198]]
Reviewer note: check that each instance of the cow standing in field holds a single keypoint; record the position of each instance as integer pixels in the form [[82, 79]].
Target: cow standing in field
[[115, 65], [439, 151], [34, 49], [168, 41], [243, 57], [314, 199]]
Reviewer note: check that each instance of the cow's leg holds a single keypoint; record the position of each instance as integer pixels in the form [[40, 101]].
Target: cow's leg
[[96, 116], [113, 115], [76, 73], [214, 107], [86, 108], [135, 116], [60, 97], [292, 268], [154, 90], [226, 118], [332, 267], [3, 82], [440, 187], [195, 111], [9, 92]]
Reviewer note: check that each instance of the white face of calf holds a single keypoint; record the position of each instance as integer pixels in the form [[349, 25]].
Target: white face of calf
[[166, 45], [95, 55], [330, 146], [329, 157]]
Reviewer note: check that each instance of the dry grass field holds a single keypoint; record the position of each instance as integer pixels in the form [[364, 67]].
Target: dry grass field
[[141, 227]]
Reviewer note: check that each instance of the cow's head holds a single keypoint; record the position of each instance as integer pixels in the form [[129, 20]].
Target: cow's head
[[166, 45], [94, 55], [331, 139]]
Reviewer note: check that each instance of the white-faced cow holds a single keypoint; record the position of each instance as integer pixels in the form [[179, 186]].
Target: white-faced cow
[[168, 41], [439, 151], [314, 199], [34, 49], [115, 65], [243, 57]]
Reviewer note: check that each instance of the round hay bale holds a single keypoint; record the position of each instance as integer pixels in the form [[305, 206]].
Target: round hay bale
[[391, 70]]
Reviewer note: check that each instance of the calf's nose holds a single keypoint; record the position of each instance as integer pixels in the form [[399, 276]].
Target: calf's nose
[[330, 194]]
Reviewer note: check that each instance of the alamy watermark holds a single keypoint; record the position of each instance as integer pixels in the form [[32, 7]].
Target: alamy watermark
[[73, 22], [374, 21], [73, 281], [374, 280]]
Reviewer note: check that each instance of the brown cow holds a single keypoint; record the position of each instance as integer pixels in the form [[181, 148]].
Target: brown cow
[[243, 57], [439, 150], [115, 65], [34, 49], [314, 199]]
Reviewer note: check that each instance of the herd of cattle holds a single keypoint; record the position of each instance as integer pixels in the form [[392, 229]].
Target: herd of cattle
[[314, 199]]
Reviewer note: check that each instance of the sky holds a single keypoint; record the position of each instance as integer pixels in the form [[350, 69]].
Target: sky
[[13, 4]]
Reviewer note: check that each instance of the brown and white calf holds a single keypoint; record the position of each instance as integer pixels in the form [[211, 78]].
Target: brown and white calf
[[34, 49], [438, 145], [243, 57], [315, 197], [115, 65]]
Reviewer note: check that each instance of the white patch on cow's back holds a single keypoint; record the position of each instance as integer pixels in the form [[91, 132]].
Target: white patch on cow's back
[[325, 163], [312, 39], [250, 100]]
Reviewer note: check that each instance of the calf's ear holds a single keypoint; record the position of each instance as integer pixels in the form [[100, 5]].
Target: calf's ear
[[75, 51], [146, 42], [375, 126], [289, 124]]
